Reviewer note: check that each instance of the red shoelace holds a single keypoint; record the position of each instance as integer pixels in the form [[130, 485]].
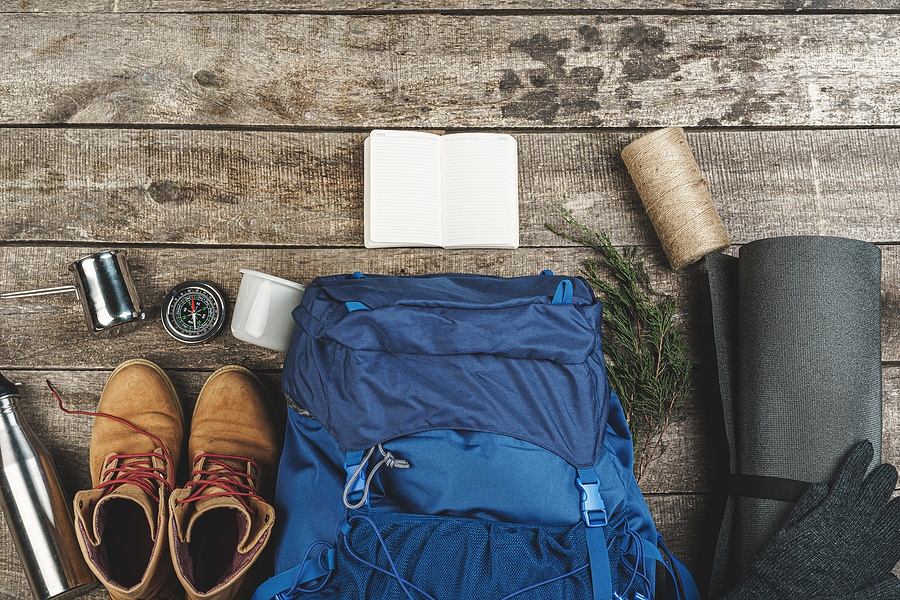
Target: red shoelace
[[134, 469], [221, 472], [138, 469]]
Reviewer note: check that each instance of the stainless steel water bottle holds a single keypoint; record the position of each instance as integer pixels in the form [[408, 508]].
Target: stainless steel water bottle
[[36, 508]]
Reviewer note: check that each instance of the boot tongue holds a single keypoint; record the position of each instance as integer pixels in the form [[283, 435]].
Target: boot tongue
[[227, 499], [132, 493]]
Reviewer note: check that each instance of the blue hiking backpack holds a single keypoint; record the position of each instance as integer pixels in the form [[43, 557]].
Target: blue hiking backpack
[[455, 437]]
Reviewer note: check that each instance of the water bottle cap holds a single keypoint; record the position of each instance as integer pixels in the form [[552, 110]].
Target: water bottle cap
[[7, 387]]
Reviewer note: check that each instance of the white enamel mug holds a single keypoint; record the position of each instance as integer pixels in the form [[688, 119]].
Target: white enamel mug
[[262, 311]]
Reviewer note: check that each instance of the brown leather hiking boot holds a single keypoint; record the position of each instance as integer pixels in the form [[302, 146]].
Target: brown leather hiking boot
[[121, 522], [220, 522]]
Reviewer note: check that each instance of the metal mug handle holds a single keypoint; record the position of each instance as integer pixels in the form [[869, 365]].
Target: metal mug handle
[[41, 292]]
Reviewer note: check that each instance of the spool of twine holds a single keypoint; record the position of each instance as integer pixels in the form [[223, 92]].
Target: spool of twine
[[675, 196]]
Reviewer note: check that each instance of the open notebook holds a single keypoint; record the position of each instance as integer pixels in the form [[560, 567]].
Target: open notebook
[[456, 191]]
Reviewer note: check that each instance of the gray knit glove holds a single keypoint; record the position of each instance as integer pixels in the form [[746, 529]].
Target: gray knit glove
[[837, 544], [886, 589]]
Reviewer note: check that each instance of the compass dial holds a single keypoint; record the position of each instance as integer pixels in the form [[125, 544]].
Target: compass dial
[[193, 312]]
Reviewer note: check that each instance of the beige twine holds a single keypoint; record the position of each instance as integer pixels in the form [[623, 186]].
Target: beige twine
[[675, 196]]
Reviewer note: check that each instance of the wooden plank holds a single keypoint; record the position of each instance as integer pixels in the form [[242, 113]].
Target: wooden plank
[[39, 331], [305, 189], [153, 6], [450, 71]]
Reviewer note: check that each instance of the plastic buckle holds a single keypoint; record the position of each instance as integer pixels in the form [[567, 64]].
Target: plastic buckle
[[593, 509], [328, 559], [358, 486]]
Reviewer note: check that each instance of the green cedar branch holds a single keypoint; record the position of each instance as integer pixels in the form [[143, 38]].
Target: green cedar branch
[[647, 356]]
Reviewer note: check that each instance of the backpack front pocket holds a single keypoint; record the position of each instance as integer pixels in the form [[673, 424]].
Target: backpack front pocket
[[403, 556]]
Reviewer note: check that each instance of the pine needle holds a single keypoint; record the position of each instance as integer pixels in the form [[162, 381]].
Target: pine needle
[[647, 357]]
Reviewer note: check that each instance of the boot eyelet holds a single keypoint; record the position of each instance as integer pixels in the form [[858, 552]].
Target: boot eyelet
[[80, 504], [267, 518]]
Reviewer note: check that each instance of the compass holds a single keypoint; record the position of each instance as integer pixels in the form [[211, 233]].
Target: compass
[[193, 311]]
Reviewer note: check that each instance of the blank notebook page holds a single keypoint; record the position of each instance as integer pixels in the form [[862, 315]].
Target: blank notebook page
[[405, 188], [480, 188]]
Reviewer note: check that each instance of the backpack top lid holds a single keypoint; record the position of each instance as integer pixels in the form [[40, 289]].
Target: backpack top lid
[[377, 357]]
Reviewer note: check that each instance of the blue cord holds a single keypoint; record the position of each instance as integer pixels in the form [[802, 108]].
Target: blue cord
[[393, 572], [537, 585], [638, 566], [404, 583], [291, 593], [638, 559]]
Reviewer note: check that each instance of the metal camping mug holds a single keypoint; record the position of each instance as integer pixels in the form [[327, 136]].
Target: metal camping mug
[[103, 284]]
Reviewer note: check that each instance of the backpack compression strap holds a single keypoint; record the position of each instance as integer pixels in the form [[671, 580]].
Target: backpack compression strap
[[593, 513], [312, 571]]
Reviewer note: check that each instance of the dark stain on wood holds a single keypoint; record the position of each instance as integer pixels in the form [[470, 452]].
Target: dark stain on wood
[[590, 37], [209, 79], [550, 91], [645, 49], [13, 168], [757, 47], [274, 104], [509, 81], [170, 192], [51, 182], [70, 102], [56, 45], [539, 78], [545, 50], [289, 97], [539, 106], [746, 109], [709, 47]]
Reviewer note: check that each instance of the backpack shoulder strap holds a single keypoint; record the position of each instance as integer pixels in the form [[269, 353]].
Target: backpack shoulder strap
[[681, 586]]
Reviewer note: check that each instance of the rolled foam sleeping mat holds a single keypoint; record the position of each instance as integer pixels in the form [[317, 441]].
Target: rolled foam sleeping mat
[[797, 326]]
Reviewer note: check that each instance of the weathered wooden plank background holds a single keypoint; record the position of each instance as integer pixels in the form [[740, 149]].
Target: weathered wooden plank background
[[532, 70], [793, 6], [209, 136]]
